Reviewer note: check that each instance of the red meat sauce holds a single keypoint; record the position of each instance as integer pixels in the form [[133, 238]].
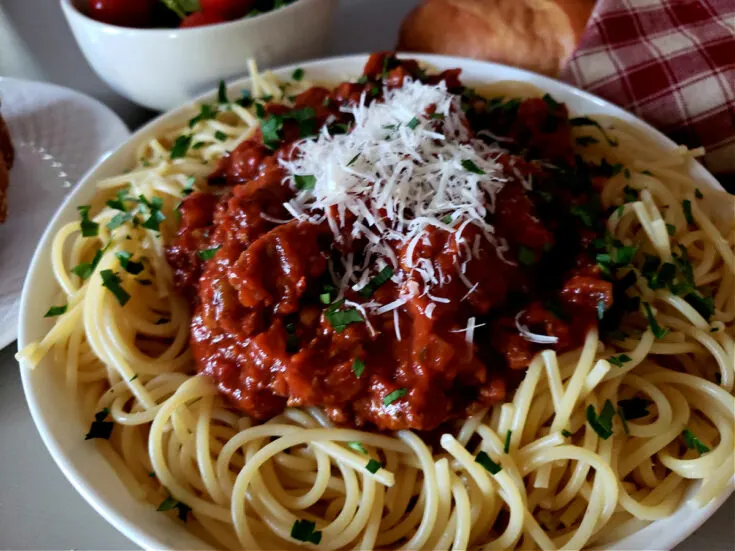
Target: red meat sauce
[[259, 327]]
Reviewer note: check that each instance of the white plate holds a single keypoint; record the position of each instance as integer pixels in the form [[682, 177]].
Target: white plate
[[55, 412], [58, 134]]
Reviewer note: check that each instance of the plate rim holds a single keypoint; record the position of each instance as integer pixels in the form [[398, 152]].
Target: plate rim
[[111, 512]]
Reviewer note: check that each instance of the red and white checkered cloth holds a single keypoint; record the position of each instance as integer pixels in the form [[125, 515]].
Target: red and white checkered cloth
[[672, 63]]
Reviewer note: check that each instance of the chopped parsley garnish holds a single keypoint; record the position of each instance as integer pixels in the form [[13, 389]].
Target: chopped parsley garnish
[[585, 213], [292, 340], [526, 256], [133, 378], [89, 228], [56, 311], [630, 195], [634, 408], [298, 74], [118, 220], [162, 321], [383, 276], [325, 298], [551, 102], [626, 173], [112, 281], [220, 136], [188, 186], [694, 443], [206, 112], [246, 99], [119, 202], [270, 126], [658, 331], [436, 117], [490, 466], [565, 433], [100, 428], [340, 319], [358, 367], [305, 181], [357, 446], [395, 395], [353, 160], [447, 219], [304, 530], [86, 269], [506, 446], [647, 173], [671, 229], [602, 424], [222, 92], [586, 121], [373, 466], [619, 360], [413, 123], [470, 166], [705, 306], [686, 206], [584, 141], [155, 215], [208, 254], [180, 147], [170, 503], [128, 265], [698, 194]]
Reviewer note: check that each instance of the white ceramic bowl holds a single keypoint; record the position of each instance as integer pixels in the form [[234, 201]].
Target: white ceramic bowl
[[56, 413], [163, 68]]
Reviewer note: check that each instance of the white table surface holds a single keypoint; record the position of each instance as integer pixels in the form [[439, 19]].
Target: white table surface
[[39, 509]]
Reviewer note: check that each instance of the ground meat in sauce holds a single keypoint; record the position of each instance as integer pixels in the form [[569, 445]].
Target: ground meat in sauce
[[259, 326]]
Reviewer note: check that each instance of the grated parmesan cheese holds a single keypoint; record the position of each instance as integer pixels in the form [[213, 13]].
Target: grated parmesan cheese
[[533, 337], [397, 173]]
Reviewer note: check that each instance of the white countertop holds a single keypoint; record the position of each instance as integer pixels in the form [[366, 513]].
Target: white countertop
[[39, 509]]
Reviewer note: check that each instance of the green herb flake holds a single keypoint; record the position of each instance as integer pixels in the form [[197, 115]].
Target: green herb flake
[[220, 136], [88, 227], [358, 367], [133, 378], [630, 195], [634, 408], [208, 254], [470, 166], [298, 74], [325, 298], [353, 160], [671, 229], [395, 395], [490, 466], [565, 433], [694, 443], [686, 206], [171, 503], [413, 123], [526, 256], [100, 428], [222, 92], [339, 320], [373, 466], [584, 141], [506, 445], [304, 530], [206, 112], [586, 121], [658, 331], [112, 282], [305, 181], [128, 265], [358, 447], [56, 311], [86, 269], [698, 194], [618, 361], [379, 280], [180, 147], [601, 424]]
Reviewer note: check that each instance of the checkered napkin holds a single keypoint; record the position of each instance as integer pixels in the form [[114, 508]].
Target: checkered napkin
[[672, 63]]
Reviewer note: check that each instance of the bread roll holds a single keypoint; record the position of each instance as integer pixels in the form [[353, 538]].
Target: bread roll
[[538, 35]]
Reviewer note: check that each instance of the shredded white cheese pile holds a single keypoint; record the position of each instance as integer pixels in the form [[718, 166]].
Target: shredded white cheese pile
[[399, 171]]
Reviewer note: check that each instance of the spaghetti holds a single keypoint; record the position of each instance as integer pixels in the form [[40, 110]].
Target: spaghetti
[[594, 443]]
